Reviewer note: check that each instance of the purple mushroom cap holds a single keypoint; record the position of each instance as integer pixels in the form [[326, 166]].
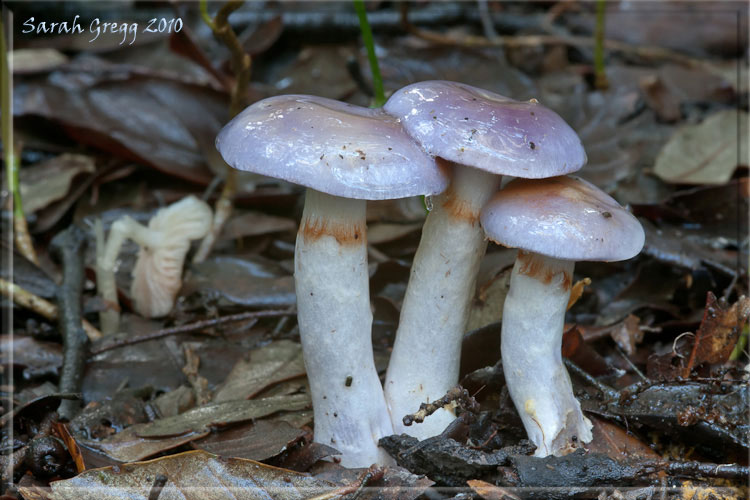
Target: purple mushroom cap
[[562, 217], [337, 148], [481, 129]]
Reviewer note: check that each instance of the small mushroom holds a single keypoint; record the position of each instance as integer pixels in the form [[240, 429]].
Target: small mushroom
[[344, 155], [157, 275], [553, 222], [486, 136]]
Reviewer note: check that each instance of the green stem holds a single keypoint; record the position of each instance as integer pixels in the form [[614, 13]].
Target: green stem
[[364, 26], [205, 15], [10, 157], [600, 77], [739, 347]]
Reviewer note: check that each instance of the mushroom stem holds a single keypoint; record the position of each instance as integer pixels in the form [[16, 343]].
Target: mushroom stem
[[533, 320], [106, 258], [426, 355], [335, 320]]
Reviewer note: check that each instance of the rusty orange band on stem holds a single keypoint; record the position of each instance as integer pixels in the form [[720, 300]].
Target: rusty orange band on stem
[[458, 208], [345, 233], [533, 266]]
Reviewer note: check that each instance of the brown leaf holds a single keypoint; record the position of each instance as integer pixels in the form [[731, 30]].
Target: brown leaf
[[718, 333], [705, 153], [216, 414], [266, 366], [665, 104], [582, 354], [156, 121], [616, 443], [628, 334], [256, 441], [144, 440], [190, 475], [50, 180], [70, 443], [233, 281], [490, 491], [302, 458]]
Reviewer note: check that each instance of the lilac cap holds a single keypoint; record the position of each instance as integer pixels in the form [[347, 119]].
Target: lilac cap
[[481, 129], [330, 146], [563, 217]]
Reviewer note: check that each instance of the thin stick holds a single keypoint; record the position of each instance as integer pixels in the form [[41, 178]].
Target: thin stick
[[725, 471], [240, 63], [632, 365], [193, 327], [69, 245], [644, 51], [44, 308], [606, 390]]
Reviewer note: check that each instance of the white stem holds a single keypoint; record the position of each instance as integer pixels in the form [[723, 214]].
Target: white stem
[[533, 320], [109, 319], [106, 258], [426, 355], [335, 320]]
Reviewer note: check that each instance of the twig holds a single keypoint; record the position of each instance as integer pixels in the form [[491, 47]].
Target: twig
[[193, 327], [364, 27], [644, 51], [609, 392], [725, 471], [240, 63], [10, 155], [457, 397], [632, 365], [69, 245], [44, 308]]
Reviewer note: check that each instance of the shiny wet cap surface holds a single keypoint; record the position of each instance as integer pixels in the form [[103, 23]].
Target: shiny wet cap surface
[[485, 130], [564, 217], [333, 147]]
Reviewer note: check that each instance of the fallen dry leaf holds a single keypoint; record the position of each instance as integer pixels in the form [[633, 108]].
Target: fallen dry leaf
[[27, 61], [706, 153], [141, 441], [50, 180], [718, 333], [616, 443], [490, 491], [260, 440], [628, 334], [266, 366], [187, 476]]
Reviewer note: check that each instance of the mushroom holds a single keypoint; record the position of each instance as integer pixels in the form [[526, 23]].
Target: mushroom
[[157, 275], [344, 155], [497, 136], [553, 222]]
